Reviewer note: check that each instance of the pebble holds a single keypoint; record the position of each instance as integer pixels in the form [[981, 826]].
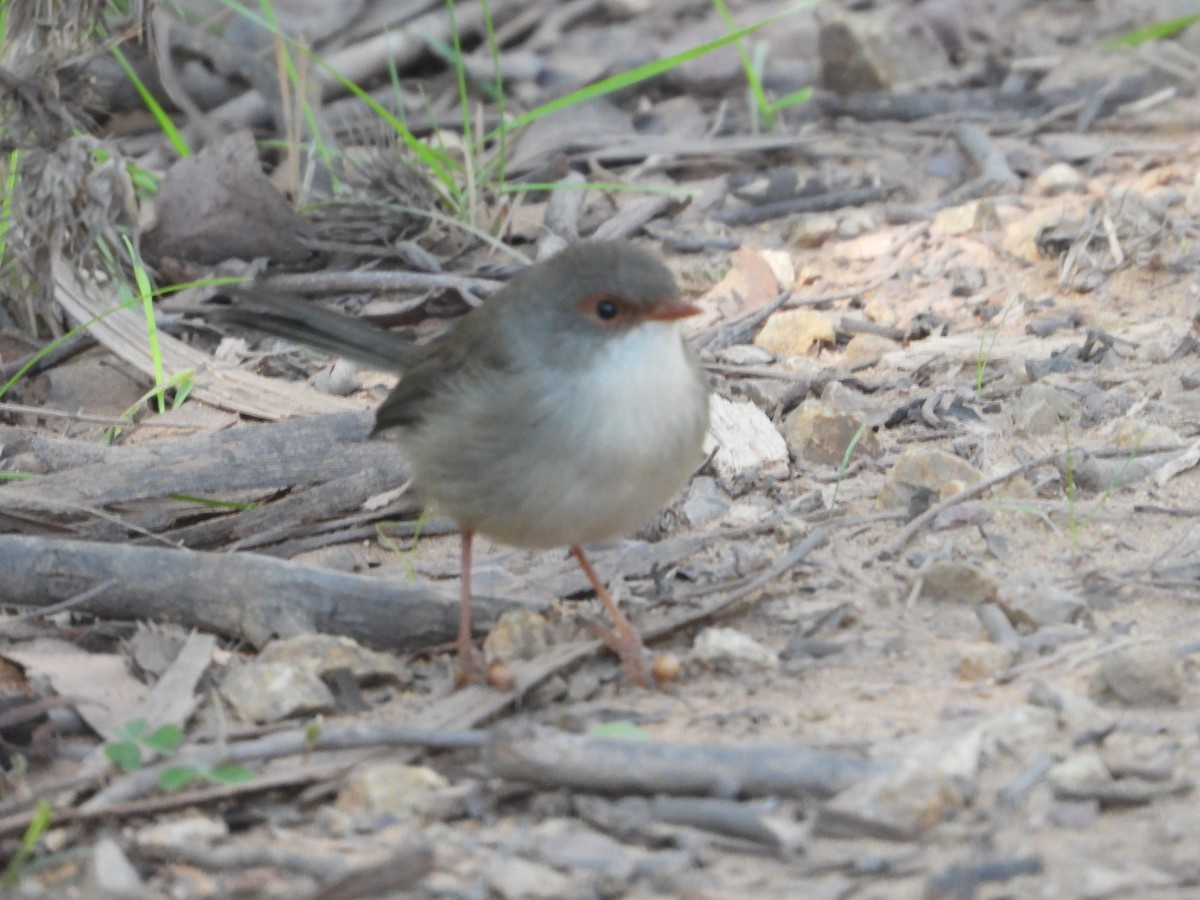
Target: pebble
[[896, 806], [982, 660], [518, 634], [743, 441], [729, 647], [1142, 675], [270, 691], [796, 332], [1042, 408], [918, 467], [387, 790], [820, 431]]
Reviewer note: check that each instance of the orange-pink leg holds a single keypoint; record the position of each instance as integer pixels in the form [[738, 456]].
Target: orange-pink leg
[[471, 669], [625, 640]]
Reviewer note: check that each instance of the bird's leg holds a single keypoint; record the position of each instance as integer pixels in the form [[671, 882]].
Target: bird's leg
[[470, 663], [626, 642]]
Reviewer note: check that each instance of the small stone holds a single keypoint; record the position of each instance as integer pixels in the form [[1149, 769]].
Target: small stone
[[1142, 675], [1042, 408], [1078, 775], [745, 441], [1059, 178], [268, 692], [1016, 731], [374, 791], [1130, 434], [568, 844], [1071, 147], [518, 634], [820, 431], [1130, 755], [982, 660], [896, 806], [867, 350], [857, 222], [1032, 601], [964, 219], [928, 468], [957, 582], [795, 332], [1075, 815], [110, 873], [321, 654], [813, 230], [1077, 713], [1134, 879], [340, 379], [705, 502], [874, 51], [189, 831], [1021, 235], [512, 877], [730, 647]]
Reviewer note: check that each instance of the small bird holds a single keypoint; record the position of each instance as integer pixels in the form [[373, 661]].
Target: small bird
[[565, 410]]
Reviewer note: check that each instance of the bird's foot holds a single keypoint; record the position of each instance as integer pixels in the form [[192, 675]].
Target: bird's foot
[[471, 669], [627, 645]]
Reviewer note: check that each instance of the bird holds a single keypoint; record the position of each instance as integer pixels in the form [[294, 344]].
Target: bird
[[565, 410]]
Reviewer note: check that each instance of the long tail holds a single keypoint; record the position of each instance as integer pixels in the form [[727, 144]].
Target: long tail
[[296, 319]]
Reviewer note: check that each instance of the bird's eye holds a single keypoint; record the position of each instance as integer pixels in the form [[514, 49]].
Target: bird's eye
[[606, 310]]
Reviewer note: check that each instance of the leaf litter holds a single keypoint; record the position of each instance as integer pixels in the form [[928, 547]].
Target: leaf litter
[[998, 695]]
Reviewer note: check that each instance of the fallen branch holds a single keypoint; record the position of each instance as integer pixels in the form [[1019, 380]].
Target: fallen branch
[[597, 765], [240, 595]]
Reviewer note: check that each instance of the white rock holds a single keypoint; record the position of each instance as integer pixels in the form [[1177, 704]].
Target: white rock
[[745, 441]]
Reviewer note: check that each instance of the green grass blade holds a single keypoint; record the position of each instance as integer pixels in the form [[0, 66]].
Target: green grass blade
[[80, 329], [761, 103], [6, 205], [1155, 32], [442, 166], [640, 73], [39, 823], [160, 115]]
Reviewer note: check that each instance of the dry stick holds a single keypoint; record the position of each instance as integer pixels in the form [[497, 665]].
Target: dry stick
[[552, 758], [17, 823], [44, 411], [71, 602], [375, 280], [896, 544], [1075, 657], [285, 743], [993, 167], [242, 595], [820, 203]]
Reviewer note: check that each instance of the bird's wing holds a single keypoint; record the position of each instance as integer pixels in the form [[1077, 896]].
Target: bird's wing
[[467, 354]]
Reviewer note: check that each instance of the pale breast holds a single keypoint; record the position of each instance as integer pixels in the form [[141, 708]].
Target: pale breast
[[570, 458]]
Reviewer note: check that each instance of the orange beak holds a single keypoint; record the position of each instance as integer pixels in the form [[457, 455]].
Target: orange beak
[[670, 310]]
